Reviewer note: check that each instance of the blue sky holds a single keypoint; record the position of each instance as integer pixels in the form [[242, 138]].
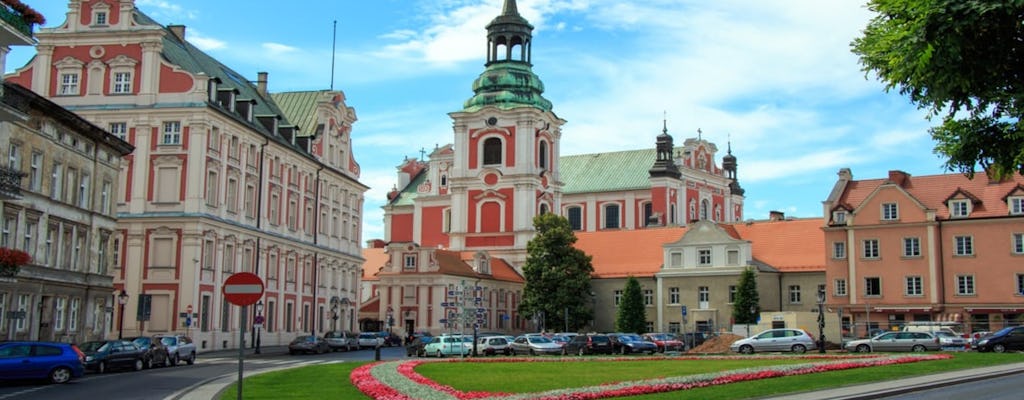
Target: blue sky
[[777, 78]]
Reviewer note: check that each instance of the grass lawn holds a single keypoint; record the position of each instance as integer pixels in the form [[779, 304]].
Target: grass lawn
[[331, 381]]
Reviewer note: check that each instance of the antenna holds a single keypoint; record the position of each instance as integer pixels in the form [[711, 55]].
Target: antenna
[[334, 42]]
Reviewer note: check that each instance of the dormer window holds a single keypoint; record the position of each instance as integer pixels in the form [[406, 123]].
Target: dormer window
[[410, 261], [839, 217], [1016, 205], [890, 212], [959, 208]]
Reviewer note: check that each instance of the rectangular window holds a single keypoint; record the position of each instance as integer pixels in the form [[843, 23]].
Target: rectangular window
[[959, 208], [911, 247], [250, 200], [211, 188], [965, 285], [229, 258], [618, 297], [839, 217], [890, 212], [914, 286], [23, 301], [14, 157], [55, 181], [1018, 243], [225, 316], [28, 242], [410, 261], [840, 287], [231, 197], [122, 82], [73, 314], [839, 250], [870, 248], [611, 216], [275, 206], [1016, 205], [105, 197], [119, 129], [648, 297], [794, 294], [58, 313], [293, 215], [172, 133], [963, 245], [68, 84], [872, 286], [1020, 284], [83, 191], [704, 257], [732, 257], [8, 231], [575, 215], [703, 294], [101, 18], [676, 259], [673, 295], [732, 294], [35, 182]]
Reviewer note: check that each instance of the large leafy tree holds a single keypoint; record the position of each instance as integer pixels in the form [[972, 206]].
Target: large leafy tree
[[557, 276], [632, 317], [963, 61], [746, 305]]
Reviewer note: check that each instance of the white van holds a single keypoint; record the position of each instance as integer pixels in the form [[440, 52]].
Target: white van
[[953, 328]]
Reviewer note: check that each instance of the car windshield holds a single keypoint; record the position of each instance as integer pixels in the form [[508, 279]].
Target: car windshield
[[538, 339], [93, 347], [142, 341], [1001, 332], [629, 338], [367, 336], [944, 334], [658, 336], [168, 341]]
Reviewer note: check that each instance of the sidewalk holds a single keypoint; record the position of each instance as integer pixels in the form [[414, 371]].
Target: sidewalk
[[906, 385]]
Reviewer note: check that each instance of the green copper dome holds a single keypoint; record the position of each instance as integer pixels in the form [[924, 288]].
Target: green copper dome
[[507, 85]]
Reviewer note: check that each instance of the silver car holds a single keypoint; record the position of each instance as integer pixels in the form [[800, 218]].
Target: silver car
[[795, 340], [896, 341]]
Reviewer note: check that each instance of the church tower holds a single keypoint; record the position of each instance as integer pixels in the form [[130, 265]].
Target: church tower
[[506, 148]]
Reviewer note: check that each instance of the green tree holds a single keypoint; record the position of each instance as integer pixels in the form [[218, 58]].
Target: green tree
[[632, 317], [557, 276], [746, 305], [961, 60]]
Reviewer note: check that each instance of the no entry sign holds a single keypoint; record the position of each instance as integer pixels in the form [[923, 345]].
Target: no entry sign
[[243, 288]]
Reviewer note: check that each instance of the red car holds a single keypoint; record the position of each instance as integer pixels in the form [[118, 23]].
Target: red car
[[664, 341]]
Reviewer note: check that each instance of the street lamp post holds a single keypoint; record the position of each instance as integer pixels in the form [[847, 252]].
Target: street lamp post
[[821, 321], [259, 324], [753, 310], [122, 299], [391, 320]]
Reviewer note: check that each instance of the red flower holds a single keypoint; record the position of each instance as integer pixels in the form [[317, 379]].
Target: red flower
[[13, 257]]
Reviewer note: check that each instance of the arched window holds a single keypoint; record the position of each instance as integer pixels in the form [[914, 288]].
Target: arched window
[[492, 151], [648, 212], [703, 210], [543, 208], [575, 216], [611, 216], [543, 155]]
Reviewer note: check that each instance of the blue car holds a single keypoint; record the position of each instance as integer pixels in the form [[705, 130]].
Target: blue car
[[55, 362]]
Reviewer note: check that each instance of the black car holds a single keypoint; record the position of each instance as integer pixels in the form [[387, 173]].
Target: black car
[[104, 355], [156, 354], [308, 344], [588, 343], [1006, 339]]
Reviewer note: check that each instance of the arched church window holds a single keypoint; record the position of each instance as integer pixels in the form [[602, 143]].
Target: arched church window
[[543, 208], [543, 155], [492, 151], [611, 216], [703, 210]]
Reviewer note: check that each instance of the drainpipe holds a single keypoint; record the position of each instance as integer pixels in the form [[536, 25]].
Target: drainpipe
[[259, 220], [316, 234]]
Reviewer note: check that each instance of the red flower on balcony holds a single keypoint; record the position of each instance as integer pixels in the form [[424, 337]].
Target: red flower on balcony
[[11, 260], [28, 14]]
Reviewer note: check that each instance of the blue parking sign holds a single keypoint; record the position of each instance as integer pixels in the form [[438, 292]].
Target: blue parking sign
[[684, 311]]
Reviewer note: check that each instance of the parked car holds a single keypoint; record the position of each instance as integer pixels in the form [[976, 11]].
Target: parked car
[[691, 339], [783, 339], [896, 341], [55, 362], [449, 345], [308, 344], [341, 340], [415, 347], [588, 343], [180, 348], [105, 355], [156, 353], [369, 340], [626, 343], [951, 342], [491, 345], [1003, 340], [664, 342], [534, 345]]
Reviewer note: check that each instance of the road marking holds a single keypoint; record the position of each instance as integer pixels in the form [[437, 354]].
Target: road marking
[[23, 392]]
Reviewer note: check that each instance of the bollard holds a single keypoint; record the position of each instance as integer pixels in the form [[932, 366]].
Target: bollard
[[376, 353]]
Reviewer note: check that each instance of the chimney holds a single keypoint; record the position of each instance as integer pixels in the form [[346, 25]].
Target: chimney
[[261, 83], [899, 177], [776, 216], [178, 31]]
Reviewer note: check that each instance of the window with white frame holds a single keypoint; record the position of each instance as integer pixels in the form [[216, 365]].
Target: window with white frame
[[839, 250], [14, 157], [1017, 243], [914, 286], [911, 247], [839, 217], [732, 293], [122, 82], [275, 207], [703, 294], [648, 297], [675, 259], [229, 258], [673, 295], [28, 242], [870, 247], [1016, 205], [794, 294], [8, 230], [68, 84], [618, 297], [84, 195], [119, 129], [446, 220], [732, 257], [59, 304], [3, 310], [959, 208], [105, 197], [35, 182], [73, 314], [100, 18], [56, 175], [963, 245], [293, 214], [611, 216], [410, 261], [23, 301], [704, 257], [965, 285], [872, 286], [172, 133], [211, 188], [1020, 284], [492, 149], [890, 212]]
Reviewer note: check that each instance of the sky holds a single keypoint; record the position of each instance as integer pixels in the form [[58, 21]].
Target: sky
[[777, 79]]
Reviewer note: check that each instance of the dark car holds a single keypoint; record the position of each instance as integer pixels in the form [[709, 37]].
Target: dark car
[[415, 346], [55, 362], [626, 343], [104, 355], [308, 344], [1006, 339], [588, 343], [180, 348], [692, 339], [156, 353]]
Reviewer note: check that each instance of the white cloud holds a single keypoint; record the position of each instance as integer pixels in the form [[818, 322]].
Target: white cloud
[[204, 43], [277, 49]]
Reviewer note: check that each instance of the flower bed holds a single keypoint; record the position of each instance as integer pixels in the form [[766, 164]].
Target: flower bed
[[398, 380]]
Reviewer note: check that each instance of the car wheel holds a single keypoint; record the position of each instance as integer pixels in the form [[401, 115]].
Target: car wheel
[[918, 348], [440, 354], [863, 348], [191, 359], [799, 349], [174, 360], [747, 349], [138, 364], [60, 375], [101, 367], [999, 348]]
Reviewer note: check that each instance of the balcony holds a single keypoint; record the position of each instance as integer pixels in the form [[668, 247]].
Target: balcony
[[10, 183], [17, 29]]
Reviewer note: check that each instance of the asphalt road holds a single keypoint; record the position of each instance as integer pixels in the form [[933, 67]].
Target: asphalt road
[[160, 383], [1001, 388]]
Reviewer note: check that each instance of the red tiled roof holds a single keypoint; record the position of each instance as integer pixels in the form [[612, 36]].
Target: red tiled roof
[[375, 260], [934, 190], [622, 253], [449, 263], [370, 306], [794, 245]]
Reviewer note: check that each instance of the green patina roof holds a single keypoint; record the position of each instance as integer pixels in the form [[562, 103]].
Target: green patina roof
[[408, 193], [507, 85], [300, 108], [606, 172]]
